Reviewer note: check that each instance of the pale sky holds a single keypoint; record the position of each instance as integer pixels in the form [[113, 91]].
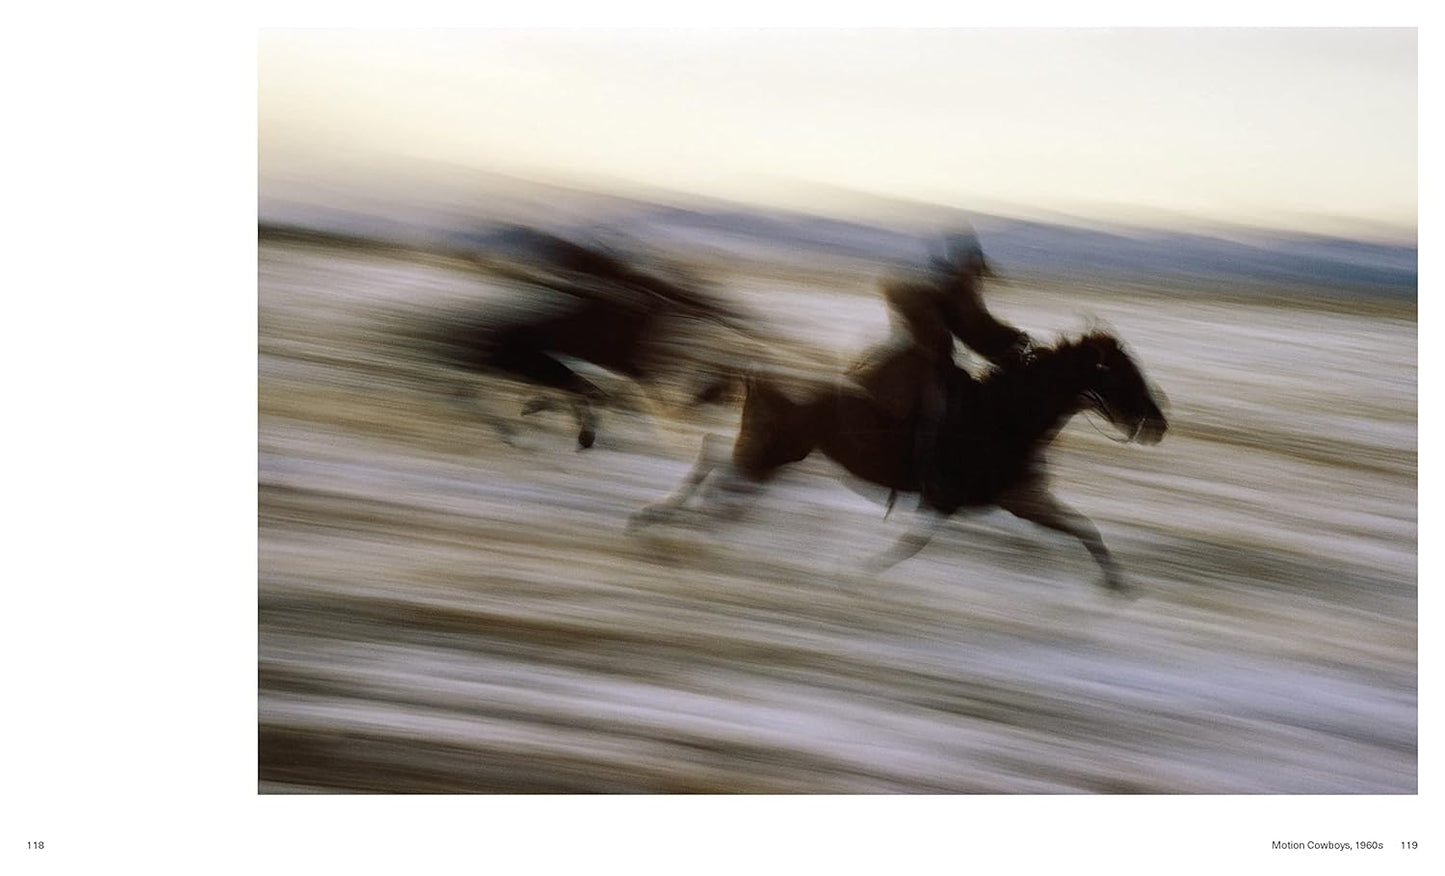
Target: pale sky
[[1274, 126]]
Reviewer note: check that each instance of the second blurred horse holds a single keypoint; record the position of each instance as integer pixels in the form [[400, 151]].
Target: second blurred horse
[[584, 302]]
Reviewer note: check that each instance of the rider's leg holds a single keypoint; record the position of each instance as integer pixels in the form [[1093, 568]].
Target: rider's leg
[[928, 419]]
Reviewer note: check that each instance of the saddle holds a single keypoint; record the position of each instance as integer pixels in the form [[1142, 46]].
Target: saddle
[[893, 374]]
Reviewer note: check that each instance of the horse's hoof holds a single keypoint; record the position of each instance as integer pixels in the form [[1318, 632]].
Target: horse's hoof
[[872, 567], [645, 517], [585, 438], [1120, 588]]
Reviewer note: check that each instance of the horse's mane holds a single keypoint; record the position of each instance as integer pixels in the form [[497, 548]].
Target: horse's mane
[[1013, 395], [1093, 338], [1063, 349]]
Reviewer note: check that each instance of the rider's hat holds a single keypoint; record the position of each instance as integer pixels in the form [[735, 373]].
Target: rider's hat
[[962, 253]]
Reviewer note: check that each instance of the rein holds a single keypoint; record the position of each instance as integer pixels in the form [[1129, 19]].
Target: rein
[[1088, 416]]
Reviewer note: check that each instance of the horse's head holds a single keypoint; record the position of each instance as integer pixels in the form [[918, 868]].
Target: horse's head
[[1114, 386]]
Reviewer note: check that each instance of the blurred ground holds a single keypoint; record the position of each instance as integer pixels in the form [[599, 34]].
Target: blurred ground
[[440, 612]]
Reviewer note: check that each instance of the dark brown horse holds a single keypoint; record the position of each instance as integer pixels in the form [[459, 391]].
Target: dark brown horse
[[579, 302], [992, 439]]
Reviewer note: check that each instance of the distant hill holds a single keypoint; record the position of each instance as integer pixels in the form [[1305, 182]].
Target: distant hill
[[1264, 258], [1048, 249], [1017, 246]]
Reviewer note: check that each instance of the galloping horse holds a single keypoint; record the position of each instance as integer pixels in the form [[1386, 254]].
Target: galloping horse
[[992, 439], [579, 302]]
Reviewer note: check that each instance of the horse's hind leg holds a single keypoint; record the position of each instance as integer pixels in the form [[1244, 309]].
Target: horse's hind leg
[[538, 403], [774, 432], [1033, 502], [463, 397], [708, 457]]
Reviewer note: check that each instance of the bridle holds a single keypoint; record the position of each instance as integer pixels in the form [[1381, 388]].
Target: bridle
[[1098, 402]]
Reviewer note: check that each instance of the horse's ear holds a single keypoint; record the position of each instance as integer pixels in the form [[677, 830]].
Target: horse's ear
[[1093, 341], [1099, 329]]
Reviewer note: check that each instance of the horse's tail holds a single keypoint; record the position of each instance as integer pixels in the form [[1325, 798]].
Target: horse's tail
[[755, 382], [725, 384], [715, 389]]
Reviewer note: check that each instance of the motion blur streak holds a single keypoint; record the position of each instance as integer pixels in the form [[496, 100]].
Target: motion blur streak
[[450, 605]]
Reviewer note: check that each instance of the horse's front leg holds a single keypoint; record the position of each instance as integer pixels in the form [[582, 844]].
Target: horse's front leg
[[1033, 502], [586, 422], [581, 411], [520, 358]]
